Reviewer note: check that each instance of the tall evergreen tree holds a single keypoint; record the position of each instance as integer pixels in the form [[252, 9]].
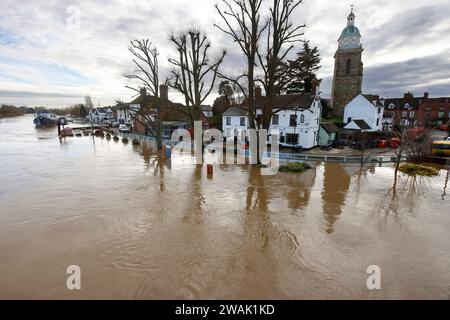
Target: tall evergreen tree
[[303, 70]]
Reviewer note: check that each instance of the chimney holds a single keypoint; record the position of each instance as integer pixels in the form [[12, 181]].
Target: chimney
[[425, 95], [143, 92], [408, 96], [164, 92], [258, 92]]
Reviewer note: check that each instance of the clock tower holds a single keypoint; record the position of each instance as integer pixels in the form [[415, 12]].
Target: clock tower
[[348, 68]]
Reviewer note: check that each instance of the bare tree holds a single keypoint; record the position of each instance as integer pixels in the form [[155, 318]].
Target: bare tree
[[281, 36], [420, 145], [147, 75], [403, 140], [192, 70], [243, 24]]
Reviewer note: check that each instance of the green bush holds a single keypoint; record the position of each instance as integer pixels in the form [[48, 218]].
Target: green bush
[[295, 167], [415, 169]]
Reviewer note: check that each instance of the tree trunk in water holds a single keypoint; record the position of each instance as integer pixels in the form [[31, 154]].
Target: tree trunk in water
[[159, 144]]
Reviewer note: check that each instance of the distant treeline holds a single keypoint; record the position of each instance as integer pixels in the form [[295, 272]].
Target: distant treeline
[[10, 111], [78, 111]]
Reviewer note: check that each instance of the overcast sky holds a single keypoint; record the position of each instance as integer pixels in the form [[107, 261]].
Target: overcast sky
[[53, 53]]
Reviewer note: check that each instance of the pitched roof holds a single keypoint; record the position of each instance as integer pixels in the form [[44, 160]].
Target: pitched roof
[[399, 103], [372, 98], [289, 101], [330, 127], [362, 124], [235, 111]]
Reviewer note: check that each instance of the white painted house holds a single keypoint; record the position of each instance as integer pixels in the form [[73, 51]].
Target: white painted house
[[368, 108], [297, 117], [235, 122], [299, 123], [125, 114], [100, 115]]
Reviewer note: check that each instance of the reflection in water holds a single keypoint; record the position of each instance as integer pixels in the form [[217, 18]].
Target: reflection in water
[[141, 226], [257, 196], [336, 183], [446, 185], [300, 187]]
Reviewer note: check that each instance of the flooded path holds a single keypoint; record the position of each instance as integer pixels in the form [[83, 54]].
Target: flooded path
[[141, 227]]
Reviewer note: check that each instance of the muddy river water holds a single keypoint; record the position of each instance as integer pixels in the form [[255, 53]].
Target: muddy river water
[[142, 227]]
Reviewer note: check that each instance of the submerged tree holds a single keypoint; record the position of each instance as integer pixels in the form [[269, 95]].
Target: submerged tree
[[304, 70], [242, 19], [147, 77], [194, 74], [281, 36]]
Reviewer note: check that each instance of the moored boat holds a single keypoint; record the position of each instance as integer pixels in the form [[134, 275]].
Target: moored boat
[[45, 119]]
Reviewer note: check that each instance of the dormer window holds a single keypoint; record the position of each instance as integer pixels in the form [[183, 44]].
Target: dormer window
[[391, 106], [407, 106]]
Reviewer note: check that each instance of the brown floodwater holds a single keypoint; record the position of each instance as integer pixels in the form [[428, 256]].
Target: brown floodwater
[[141, 227]]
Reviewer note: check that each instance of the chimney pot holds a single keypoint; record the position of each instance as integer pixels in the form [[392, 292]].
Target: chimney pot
[[425, 95]]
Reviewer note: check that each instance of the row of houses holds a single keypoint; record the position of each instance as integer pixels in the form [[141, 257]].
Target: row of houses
[[297, 117], [372, 113]]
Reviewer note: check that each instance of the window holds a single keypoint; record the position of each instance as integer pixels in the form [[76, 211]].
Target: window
[[228, 121], [407, 105], [302, 119], [379, 110], [391, 106], [348, 67], [293, 120], [378, 122], [404, 114], [412, 114], [292, 139], [282, 139], [441, 114], [349, 120], [242, 121], [275, 119]]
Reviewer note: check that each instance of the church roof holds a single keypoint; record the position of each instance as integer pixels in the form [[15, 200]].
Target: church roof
[[350, 31]]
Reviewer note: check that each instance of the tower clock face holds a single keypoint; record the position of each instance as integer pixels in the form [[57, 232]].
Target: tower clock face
[[349, 42]]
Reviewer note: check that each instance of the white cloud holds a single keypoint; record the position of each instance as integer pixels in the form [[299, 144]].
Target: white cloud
[[93, 45]]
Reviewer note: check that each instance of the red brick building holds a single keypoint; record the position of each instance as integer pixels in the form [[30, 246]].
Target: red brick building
[[401, 111], [173, 115], [413, 111], [433, 111]]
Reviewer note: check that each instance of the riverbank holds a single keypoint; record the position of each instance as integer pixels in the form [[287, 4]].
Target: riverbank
[[10, 114]]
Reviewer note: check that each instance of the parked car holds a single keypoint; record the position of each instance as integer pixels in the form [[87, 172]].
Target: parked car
[[123, 128], [448, 139]]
